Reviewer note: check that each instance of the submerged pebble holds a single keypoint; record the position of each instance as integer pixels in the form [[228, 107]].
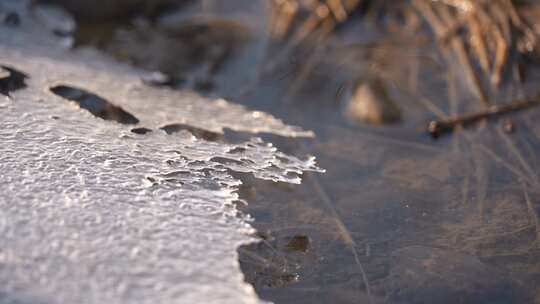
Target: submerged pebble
[[4, 73], [508, 126], [369, 102]]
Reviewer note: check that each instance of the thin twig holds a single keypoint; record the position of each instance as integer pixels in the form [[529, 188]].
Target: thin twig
[[439, 127]]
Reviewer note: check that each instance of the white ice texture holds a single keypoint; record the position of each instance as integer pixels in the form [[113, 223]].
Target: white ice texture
[[92, 213]]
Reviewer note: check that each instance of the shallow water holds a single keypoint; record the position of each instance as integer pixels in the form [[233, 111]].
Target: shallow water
[[398, 217]]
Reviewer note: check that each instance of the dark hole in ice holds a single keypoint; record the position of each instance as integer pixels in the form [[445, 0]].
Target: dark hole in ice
[[237, 150], [283, 159], [95, 104], [11, 80], [141, 130], [247, 160], [226, 161], [12, 19], [62, 33], [176, 174], [197, 132]]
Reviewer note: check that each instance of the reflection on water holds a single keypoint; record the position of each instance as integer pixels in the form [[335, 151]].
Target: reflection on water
[[398, 217]]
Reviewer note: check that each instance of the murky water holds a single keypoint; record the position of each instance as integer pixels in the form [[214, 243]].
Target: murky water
[[398, 217]]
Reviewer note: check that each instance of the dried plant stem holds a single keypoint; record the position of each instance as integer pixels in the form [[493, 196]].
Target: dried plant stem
[[440, 127], [282, 18], [338, 10], [459, 49], [479, 45], [441, 21]]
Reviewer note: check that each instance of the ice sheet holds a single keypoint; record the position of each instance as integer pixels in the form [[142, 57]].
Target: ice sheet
[[93, 213]]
